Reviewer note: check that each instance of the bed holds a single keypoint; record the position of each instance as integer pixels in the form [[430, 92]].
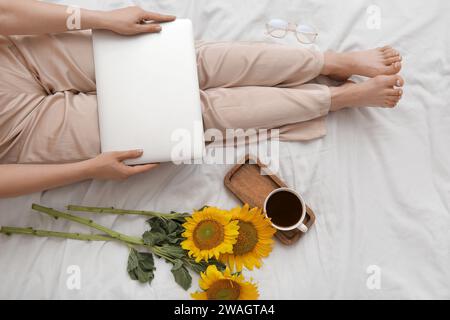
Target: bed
[[379, 182]]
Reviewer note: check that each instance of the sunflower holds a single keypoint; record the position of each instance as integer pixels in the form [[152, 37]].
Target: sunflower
[[224, 286], [254, 240], [209, 233]]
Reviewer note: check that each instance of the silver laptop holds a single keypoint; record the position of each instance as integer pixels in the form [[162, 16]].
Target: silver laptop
[[148, 94]]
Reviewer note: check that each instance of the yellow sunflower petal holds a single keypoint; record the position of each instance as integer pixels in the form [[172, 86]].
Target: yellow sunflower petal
[[211, 275], [209, 233], [218, 285], [238, 263], [254, 241], [227, 273], [249, 291]]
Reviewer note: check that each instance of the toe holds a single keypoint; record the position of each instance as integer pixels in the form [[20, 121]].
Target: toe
[[392, 68], [389, 104], [395, 100], [396, 66], [395, 92], [390, 53], [391, 81], [385, 48], [399, 82], [391, 60]]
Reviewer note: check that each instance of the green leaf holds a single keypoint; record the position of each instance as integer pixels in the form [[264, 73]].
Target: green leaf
[[153, 238], [142, 276], [132, 260], [202, 208], [175, 251], [172, 226], [175, 240], [163, 231], [146, 262], [141, 266], [182, 277], [203, 265], [157, 225], [177, 265]]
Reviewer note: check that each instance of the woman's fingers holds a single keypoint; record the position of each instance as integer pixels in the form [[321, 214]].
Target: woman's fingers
[[150, 28], [130, 154], [158, 17], [128, 171], [153, 27], [135, 20]]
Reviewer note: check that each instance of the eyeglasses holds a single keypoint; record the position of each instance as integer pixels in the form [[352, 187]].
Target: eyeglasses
[[278, 28]]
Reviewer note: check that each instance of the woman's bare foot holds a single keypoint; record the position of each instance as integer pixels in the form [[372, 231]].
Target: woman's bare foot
[[381, 91], [368, 63]]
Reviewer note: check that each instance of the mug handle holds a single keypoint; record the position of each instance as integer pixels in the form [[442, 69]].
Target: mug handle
[[303, 228]]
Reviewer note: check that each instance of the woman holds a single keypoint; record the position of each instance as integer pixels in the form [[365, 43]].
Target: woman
[[48, 116]]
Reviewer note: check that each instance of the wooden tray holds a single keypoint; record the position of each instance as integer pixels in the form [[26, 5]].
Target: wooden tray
[[247, 183]]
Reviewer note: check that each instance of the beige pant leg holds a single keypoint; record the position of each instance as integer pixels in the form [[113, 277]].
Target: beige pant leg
[[298, 112], [262, 86], [239, 64], [47, 99]]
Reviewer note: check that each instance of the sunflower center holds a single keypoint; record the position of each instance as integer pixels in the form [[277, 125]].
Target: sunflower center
[[224, 290], [247, 238], [208, 234]]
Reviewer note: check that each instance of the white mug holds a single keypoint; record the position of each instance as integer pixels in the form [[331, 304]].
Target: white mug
[[300, 225]]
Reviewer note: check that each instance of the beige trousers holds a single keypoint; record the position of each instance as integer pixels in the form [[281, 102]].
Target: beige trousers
[[48, 104]]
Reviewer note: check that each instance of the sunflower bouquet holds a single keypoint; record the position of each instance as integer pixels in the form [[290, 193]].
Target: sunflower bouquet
[[239, 238], [215, 243]]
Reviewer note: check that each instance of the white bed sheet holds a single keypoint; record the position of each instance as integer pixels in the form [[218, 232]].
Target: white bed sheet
[[379, 182]]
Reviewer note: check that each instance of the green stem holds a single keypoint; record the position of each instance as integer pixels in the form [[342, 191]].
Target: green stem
[[109, 234], [160, 253], [126, 212], [90, 223], [157, 250], [45, 233], [77, 236]]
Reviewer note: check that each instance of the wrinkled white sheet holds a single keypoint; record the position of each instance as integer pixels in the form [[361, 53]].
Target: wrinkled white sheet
[[379, 181]]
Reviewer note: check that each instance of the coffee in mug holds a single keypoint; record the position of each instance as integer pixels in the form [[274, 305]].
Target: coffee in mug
[[286, 209]]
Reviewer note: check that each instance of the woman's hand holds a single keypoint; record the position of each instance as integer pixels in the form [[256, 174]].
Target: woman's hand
[[27, 16], [19, 179], [109, 165], [130, 20]]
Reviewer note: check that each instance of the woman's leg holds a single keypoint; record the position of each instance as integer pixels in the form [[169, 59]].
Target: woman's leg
[[268, 108], [230, 65], [256, 85], [53, 117], [381, 91], [238, 64], [19, 94], [368, 63], [299, 113]]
